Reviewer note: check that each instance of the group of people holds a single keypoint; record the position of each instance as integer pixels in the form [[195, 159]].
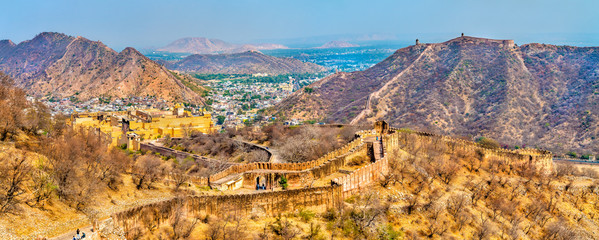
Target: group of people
[[79, 237], [259, 187]]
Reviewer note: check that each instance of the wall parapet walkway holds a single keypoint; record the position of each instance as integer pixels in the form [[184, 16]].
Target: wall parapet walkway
[[241, 168]]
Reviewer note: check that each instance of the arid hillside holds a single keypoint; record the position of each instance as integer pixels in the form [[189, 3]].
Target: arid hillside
[[57, 65], [535, 94], [249, 62]]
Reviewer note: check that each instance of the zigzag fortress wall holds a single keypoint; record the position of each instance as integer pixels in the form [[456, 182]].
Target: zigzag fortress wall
[[403, 143]]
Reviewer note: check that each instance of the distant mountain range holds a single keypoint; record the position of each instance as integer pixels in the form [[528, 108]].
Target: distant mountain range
[[338, 44], [200, 45], [535, 94], [249, 62], [58, 65]]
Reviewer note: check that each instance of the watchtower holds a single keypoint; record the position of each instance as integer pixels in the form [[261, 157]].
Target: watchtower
[[381, 127], [417, 42]]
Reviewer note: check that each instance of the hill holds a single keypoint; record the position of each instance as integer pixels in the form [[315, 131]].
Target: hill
[[249, 62], [55, 64], [338, 44], [200, 45], [535, 94]]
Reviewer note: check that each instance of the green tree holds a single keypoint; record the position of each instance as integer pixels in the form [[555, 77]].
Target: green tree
[[572, 154], [220, 119], [283, 182]]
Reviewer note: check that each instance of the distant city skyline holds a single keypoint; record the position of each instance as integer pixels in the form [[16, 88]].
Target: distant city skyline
[[152, 23]]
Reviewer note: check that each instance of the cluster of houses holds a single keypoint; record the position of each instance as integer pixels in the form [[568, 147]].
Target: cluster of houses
[[239, 101], [69, 105]]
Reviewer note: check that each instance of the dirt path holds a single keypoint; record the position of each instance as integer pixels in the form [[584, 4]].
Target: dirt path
[[69, 235]]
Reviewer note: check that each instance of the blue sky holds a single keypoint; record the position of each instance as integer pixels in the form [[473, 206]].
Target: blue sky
[[122, 23]]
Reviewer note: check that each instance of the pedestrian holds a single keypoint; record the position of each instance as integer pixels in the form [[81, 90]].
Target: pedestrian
[[82, 235], [74, 238], [78, 236]]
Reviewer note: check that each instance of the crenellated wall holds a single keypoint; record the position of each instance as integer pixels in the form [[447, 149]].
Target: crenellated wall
[[362, 177], [403, 143], [304, 177], [269, 203], [320, 163], [413, 140]]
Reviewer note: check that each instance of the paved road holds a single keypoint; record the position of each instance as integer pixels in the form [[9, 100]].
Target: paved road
[[575, 161]]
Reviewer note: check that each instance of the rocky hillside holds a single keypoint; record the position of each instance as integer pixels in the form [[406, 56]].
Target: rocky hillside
[[200, 45], [534, 95], [249, 62], [338, 44], [54, 64]]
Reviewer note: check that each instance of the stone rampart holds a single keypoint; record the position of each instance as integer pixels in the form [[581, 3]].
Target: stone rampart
[[304, 177], [268, 203], [301, 166], [413, 140], [402, 143]]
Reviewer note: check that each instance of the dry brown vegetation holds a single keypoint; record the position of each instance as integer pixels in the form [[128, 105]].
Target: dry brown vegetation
[[437, 195], [300, 144], [465, 197], [49, 169], [218, 146]]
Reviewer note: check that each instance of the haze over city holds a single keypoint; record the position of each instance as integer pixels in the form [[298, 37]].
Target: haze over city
[[155, 23]]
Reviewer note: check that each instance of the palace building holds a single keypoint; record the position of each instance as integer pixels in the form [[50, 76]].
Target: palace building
[[131, 127]]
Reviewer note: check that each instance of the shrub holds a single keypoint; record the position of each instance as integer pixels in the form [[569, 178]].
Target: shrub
[[306, 214], [283, 182], [487, 142]]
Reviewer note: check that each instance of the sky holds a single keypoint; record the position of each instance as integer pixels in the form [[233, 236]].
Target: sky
[[151, 23]]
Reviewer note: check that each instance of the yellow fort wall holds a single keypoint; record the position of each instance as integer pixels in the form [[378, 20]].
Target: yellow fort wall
[[159, 127]]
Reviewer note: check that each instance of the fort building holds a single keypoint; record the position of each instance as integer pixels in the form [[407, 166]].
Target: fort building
[[133, 126]]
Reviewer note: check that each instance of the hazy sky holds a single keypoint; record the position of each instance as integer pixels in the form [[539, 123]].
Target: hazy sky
[[121, 23]]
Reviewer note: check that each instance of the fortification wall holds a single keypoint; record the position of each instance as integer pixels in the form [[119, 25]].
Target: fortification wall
[[359, 179], [417, 141], [304, 177], [240, 168], [264, 203]]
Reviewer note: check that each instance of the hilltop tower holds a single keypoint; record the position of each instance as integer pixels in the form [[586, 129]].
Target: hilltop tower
[[462, 34], [417, 42]]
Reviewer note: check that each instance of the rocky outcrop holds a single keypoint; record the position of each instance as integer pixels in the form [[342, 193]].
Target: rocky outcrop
[[57, 65]]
